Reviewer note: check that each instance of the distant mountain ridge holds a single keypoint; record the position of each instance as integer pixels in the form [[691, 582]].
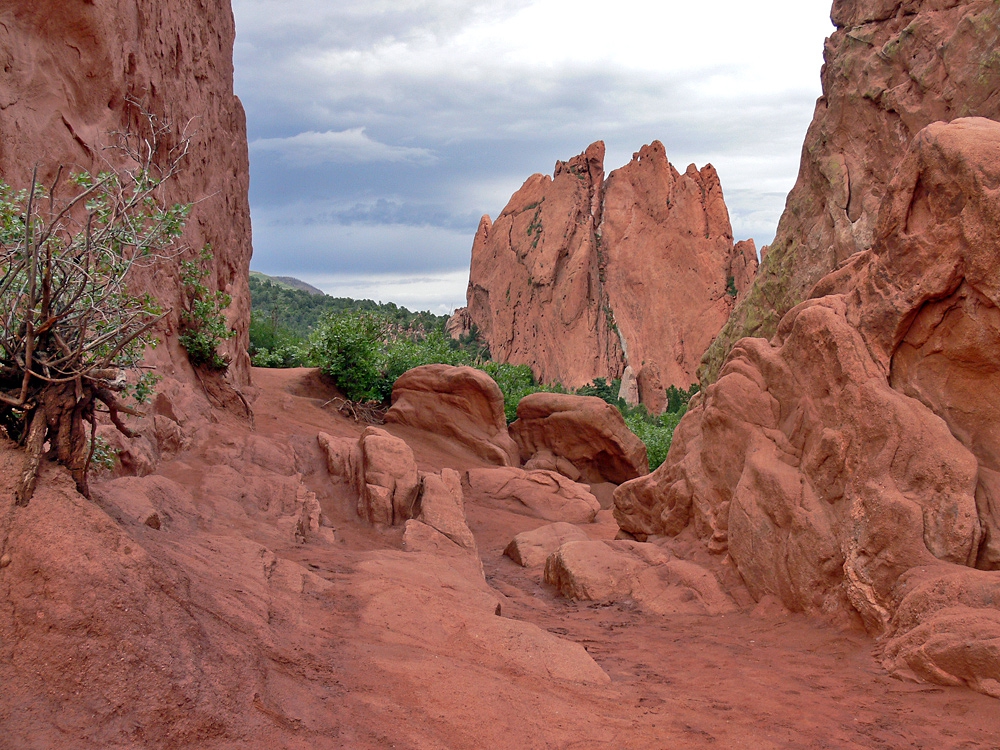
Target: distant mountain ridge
[[289, 282]]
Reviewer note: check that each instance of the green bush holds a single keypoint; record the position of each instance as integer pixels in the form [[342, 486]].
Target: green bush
[[203, 324], [655, 432], [273, 345], [677, 398], [350, 348], [516, 382]]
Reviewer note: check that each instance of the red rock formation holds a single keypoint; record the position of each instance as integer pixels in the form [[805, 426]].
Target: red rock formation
[[535, 291], [586, 431], [580, 278], [462, 403], [892, 67], [530, 549], [614, 571], [850, 464], [68, 69], [669, 256], [542, 494]]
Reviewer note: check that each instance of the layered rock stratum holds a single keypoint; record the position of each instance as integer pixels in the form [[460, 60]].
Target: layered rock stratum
[[76, 72], [891, 68], [581, 277]]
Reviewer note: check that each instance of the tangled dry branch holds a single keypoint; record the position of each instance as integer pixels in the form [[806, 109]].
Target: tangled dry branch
[[69, 328]]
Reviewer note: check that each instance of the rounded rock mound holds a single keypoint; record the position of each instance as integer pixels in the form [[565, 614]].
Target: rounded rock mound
[[584, 430], [460, 403]]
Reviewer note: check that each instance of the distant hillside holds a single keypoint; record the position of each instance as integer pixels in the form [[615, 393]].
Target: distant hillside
[[280, 305], [289, 282]]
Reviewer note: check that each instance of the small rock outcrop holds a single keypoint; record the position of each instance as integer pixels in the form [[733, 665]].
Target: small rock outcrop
[[850, 464], [441, 527], [530, 549], [622, 570], [892, 68], [461, 403], [381, 469], [585, 431], [541, 494], [442, 507], [580, 277]]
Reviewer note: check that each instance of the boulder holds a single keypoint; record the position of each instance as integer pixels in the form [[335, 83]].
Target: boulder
[[461, 403], [892, 68], [541, 494], [615, 571], [586, 431], [529, 549], [442, 507], [381, 469], [855, 454]]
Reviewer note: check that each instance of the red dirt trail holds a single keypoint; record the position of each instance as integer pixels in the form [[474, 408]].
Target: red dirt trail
[[395, 650]]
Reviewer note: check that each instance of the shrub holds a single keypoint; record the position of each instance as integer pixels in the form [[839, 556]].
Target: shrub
[[516, 382], [70, 330], [273, 345], [349, 348], [203, 324], [677, 398]]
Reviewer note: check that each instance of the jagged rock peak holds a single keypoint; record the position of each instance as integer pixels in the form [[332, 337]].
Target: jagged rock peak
[[583, 276]]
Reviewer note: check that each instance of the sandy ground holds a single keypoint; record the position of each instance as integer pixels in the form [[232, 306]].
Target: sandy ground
[[751, 680], [374, 647]]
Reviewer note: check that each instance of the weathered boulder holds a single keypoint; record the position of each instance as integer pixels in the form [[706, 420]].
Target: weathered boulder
[[586, 431], [381, 469], [530, 549], [542, 494], [441, 527], [442, 507], [581, 277], [460, 403], [892, 68], [620, 570], [71, 73], [855, 448]]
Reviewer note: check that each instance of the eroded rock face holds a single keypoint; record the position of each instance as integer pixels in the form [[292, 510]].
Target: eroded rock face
[[892, 68], [585, 431], [382, 471], [670, 260], [581, 277], [530, 549], [616, 571], [461, 403], [69, 70], [849, 464], [535, 291], [542, 494]]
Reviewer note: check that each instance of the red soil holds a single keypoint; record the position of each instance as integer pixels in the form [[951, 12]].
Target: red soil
[[395, 650]]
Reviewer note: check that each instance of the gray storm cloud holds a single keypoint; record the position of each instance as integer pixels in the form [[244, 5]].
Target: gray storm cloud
[[381, 132]]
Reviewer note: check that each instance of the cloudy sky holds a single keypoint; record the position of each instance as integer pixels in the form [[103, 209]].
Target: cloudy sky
[[381, 131]]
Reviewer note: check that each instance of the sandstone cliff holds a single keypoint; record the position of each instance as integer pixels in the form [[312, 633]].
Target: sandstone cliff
[[581, 277], [69, 69], [892, 67], [850, 465]]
